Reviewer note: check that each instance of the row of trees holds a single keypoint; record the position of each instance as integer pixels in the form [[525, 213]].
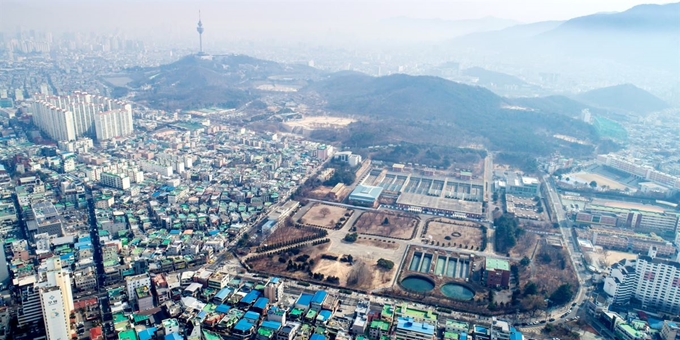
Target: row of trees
[[507, 232], [317, 233]]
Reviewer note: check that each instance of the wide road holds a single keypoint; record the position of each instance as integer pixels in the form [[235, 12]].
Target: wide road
[[572, 249], [488, 183]]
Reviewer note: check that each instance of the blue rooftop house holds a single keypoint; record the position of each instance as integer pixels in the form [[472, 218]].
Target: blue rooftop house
[[304, 301], [147, 334], [481, 332], [222, 308], [222, 295], [318, 299], [365, 195], [324, 316], [251, 316], [173, 336], [269, 227], [317, 337], [260, 306], [249, 299], [407, 328], [515, 334], [244, 329]]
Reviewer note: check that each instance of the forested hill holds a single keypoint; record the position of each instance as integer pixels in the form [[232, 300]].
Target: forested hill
[[429, 109], [624, 98]]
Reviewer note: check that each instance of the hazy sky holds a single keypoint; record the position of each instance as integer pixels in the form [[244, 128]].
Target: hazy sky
[[264, 18]]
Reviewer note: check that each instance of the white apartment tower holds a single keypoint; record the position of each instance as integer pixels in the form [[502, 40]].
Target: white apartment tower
[[66, 118], [655, 282]]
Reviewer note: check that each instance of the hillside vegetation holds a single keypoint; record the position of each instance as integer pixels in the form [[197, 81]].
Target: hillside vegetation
[[423, 109]]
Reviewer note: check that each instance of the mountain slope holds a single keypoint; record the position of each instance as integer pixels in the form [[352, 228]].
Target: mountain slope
[[427, 109], [638, 19], [625, 97], [401, 96], [224, 81], [506, 37], [492, 78]]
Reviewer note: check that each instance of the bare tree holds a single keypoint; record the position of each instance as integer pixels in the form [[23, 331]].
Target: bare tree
[[605, 255], [324, 212], [359, 275]]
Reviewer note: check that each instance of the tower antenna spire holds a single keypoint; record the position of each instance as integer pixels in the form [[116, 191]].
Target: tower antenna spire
[[199, 29]]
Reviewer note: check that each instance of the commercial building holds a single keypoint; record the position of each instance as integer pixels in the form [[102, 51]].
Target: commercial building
[[364, 195], [43, 217], [655, 283], [408, 329], [496, 273], [519, 185], [347, 157], [66, 118], [670, 331], [55, 315], [136, 281]]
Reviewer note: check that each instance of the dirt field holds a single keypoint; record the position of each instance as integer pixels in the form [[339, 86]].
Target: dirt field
[[398, 226], [284, 233], [363, 274], [319, 192], [376, 243], [333, 268], [312, 122], [601, 180], [610, 257], [315, 217], [460, 232]]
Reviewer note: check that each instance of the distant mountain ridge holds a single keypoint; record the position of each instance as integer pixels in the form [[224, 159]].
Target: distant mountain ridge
[[639, 19], [492, 78], [645, 37]]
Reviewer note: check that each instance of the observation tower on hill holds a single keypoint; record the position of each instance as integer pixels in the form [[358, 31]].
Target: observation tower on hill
[[199, 29]]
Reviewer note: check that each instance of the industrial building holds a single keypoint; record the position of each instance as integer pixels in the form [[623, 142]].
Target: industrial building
[[365, 195], [520, 185]]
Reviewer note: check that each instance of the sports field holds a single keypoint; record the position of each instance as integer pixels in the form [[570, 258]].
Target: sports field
[[587, 177]]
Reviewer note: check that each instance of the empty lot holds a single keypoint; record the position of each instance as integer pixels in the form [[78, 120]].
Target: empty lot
[[386, 225]]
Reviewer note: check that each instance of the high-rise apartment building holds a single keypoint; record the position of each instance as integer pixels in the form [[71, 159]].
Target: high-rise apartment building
[[115, 181], [66, 118], [652, 281]]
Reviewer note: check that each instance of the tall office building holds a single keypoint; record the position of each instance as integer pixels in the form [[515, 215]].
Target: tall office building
[[54, 313], [66, 118], [51, 274]]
